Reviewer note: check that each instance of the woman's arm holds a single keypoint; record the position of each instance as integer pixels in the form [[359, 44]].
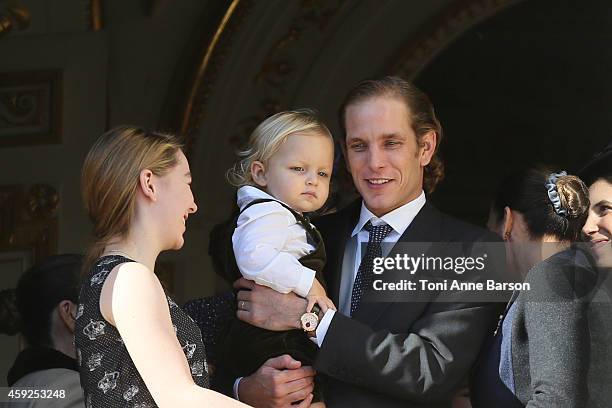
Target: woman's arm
[[133, 300]]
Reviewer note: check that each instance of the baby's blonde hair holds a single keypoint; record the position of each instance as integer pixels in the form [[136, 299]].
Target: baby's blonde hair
[[267, 138]]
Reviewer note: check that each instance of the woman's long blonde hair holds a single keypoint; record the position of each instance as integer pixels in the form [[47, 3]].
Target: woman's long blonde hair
[[110, 177]]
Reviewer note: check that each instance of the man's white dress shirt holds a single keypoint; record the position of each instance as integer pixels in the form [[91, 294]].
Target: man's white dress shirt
[[399, 219]]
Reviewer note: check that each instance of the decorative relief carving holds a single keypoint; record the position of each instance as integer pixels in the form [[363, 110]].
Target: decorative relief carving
[[21, 106], [440, 31], [30, 108], [308, 25], [42, 201], [312, 18], [213, 56], [13, 17], [95, 11], [280, 64], [246, 125], [28, 219]]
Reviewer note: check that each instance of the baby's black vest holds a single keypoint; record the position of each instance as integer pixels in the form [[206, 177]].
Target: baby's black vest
[[225, 259]]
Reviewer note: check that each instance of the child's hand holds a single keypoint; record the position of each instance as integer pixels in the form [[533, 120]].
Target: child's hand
[[316, 289], [324, 303], [317, 295]]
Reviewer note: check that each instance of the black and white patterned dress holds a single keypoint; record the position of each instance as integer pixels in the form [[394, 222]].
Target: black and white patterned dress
[[108, 375]]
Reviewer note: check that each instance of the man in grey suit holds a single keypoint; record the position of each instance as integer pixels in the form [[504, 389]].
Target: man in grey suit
[[413, 353]]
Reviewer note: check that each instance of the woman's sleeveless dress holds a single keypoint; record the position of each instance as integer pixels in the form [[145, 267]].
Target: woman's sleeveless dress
[[108, 375]]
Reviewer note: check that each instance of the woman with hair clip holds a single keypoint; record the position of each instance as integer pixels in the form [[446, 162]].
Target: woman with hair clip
[[597, 174], [539, 355], [135, 346]]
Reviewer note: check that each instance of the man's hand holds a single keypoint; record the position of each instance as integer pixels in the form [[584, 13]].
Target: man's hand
[[278, 383], [266, 308]]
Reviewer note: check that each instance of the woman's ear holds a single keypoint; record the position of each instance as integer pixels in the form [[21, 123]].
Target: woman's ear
[[146, 184], [258, 173], [508, 224]]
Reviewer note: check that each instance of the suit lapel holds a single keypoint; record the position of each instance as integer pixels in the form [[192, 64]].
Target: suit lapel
[[336, 230], [424, 228]]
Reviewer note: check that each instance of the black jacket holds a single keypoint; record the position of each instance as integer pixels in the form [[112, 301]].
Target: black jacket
[[406, 353]]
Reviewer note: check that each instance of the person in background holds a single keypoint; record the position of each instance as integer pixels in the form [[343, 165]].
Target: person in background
[[46, 297], [597, 174], [547, 344]]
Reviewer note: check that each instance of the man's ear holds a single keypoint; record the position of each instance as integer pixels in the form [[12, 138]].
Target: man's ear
[[258, 173], [67, 313], [427, 147], [146, 184], [508, 224]]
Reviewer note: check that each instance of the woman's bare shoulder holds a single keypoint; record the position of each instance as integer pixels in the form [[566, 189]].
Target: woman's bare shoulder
[[130, 284]]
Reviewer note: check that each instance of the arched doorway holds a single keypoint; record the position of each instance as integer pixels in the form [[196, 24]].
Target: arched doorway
[[509, 78]]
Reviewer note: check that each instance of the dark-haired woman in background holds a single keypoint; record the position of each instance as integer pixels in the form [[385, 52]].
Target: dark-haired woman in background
[[597, 174], [539, 356], [46, 297]]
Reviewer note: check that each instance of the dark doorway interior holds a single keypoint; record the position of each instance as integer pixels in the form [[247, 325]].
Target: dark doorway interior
[[530, 86]]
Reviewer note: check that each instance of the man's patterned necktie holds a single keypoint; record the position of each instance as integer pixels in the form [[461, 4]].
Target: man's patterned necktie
[[365, 275]]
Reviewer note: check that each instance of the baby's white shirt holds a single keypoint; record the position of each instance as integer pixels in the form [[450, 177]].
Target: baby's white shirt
[[268, 243]]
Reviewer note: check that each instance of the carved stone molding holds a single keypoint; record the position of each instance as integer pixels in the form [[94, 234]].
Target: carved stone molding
[[95, 12], [422, 48], [280, 66], [278, 69], [276, 77], [28, 219], [156, 7], [280, 63], [30, 108], [210, 60], [13, 17]]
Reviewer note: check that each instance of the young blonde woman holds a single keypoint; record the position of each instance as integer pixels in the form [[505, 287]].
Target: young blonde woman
[[135, 346]]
